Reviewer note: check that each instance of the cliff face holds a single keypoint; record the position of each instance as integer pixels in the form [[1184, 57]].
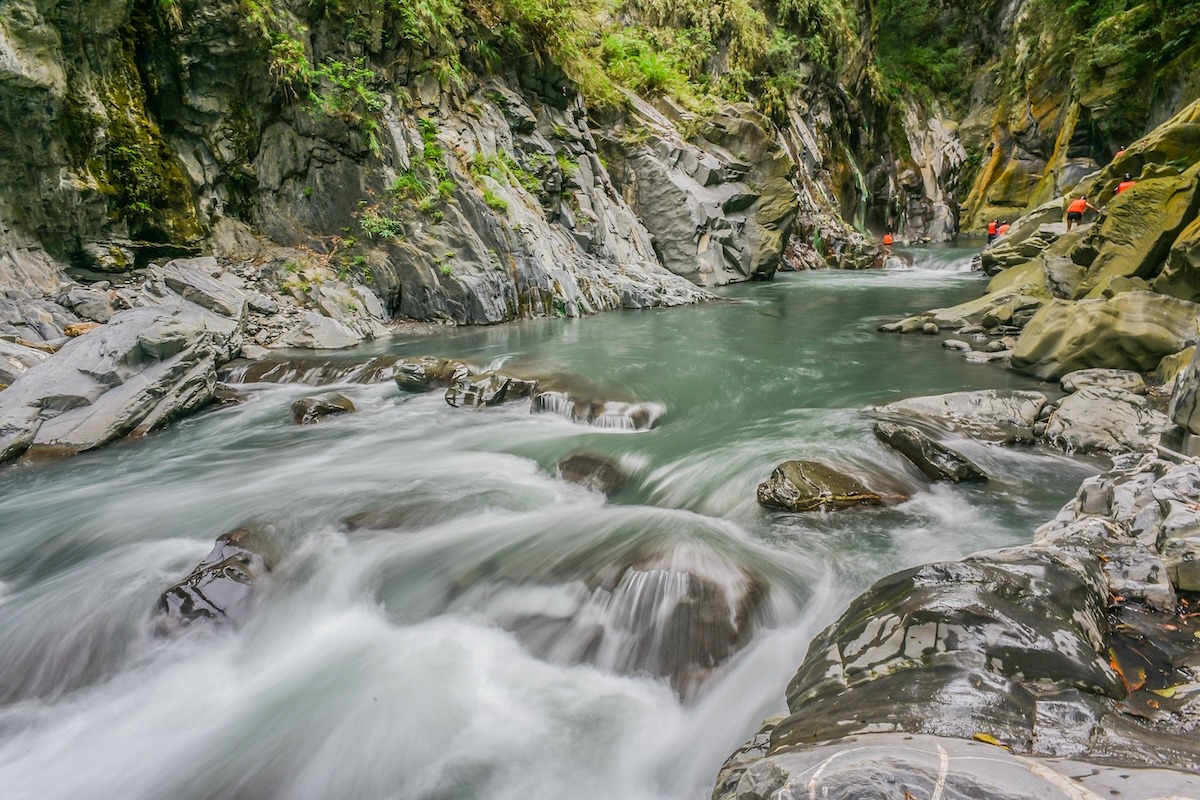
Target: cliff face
[[1067, 89]]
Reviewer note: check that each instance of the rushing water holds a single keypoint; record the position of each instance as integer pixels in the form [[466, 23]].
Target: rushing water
[[505, 634]]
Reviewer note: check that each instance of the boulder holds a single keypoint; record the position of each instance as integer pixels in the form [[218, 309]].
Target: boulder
[[593, 472], [310, 409], [935, 460], [143, 369], [815, 486], [1168, 370], [992, 414], [1123, 379], [1102, 419], [1008, 251], [16, 359], [193, 280], [224, 586], [427, 372], [1132, 331], [316, 332]]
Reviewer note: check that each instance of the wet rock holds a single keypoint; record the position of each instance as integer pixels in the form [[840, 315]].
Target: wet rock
[[815, 486], [1107, 420], [224, 586], [311, 409], [593, 472], [427, 372], [929, 329], [957, 344], [613, 414], [1003, 416], [1125, 380], [487, 389], [935, 460]]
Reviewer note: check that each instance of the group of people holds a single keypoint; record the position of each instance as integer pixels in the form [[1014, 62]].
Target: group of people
[[1075, 211]]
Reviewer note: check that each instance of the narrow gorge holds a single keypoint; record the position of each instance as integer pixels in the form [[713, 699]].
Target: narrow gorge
[[622, 399]]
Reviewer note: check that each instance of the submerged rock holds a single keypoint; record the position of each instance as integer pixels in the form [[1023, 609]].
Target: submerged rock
[[311, 409], [935, 460], [224, 586], [592, 471], [815, 486]]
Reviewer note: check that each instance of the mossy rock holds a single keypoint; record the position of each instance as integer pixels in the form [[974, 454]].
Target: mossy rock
[[815, 486], [1181, 275], [1132, 330]]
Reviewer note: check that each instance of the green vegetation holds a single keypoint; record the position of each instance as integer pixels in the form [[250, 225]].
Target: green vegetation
[[494, 201]]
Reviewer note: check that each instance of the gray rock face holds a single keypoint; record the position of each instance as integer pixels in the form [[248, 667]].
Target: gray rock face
[[1004, 416], [934, 459], [720, 211], [135, 374], [1009, 251], [1099, 419], [222, 587]]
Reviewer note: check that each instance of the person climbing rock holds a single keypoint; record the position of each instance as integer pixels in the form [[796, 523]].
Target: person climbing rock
[[1003, 229], [1120, 152], [992, 230], [888, 241], [1125, 184], [1077, 209]]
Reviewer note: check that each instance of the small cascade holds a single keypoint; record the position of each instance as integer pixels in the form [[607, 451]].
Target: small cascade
[[676, 618], [610, 414]]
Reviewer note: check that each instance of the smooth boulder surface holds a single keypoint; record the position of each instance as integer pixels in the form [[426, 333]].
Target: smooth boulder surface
[[224, 586], [1132, 330], [815, 486], [1123, 379], [937, 461], [1099, 419], [992, 414], [144, 369]]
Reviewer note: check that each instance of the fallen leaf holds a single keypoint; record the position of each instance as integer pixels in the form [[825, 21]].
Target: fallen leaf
[[987, 738]]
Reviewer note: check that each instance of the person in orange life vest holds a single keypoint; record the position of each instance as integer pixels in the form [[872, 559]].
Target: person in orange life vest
[[1076, 210], [1125, 184], [1003, 229], [1120, 152], [993, 227], [888, 241]]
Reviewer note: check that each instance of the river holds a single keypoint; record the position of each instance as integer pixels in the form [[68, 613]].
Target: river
[[506, 635]]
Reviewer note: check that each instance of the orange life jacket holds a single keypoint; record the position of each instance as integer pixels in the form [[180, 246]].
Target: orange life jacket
[[1120, 153], [888, 240], [1123, 185], [992, 228], [1003, 229], [1077, 206]]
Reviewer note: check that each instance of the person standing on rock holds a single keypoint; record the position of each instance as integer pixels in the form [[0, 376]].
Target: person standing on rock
[[888, 241], [1077, 209], [1125, 184], [992, 230]]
